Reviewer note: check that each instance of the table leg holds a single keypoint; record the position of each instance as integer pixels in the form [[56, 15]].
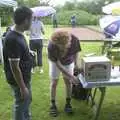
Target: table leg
[[90, 97], [94, 93], [106, 46], [102, 90]]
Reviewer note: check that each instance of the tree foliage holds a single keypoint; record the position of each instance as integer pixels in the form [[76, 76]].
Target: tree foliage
[[29, 3], [89, 6], [93, 6], [33, 3]]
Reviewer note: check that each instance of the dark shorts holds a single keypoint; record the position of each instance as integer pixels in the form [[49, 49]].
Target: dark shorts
[[36, 44]]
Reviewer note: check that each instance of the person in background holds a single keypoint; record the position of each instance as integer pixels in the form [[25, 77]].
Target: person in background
[[36, 40], [54, 20], [63, 52], [73, 21], [17, 63], [5, 33]]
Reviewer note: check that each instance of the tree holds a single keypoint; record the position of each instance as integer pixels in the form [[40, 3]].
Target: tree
[[45, 2], [29, 3], [69, 6], [94, 6]]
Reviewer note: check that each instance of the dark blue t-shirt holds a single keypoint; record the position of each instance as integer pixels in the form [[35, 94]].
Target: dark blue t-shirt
[[54, 52], [15, 46]]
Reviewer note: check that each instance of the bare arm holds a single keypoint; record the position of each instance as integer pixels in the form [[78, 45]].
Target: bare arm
[[42, 28], [63, 70], [43, 32], [14, 64], [78, 67], [66, 73], [76, 60]]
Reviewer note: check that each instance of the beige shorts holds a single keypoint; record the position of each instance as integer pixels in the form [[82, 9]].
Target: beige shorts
[[54, 71]]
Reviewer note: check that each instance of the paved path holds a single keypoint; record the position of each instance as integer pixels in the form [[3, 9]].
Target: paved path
[[85, 33]]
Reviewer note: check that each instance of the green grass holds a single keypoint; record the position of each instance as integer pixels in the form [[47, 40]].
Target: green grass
[[41, 96]]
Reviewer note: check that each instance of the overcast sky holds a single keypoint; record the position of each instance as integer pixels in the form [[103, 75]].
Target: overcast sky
[[61, 2]]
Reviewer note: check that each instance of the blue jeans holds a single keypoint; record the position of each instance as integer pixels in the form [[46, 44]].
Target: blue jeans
[[21, 107]]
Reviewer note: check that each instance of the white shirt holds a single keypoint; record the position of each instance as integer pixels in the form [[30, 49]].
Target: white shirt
[[36, 30]]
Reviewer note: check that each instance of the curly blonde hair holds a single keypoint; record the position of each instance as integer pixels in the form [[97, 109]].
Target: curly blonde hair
[[60, 37]]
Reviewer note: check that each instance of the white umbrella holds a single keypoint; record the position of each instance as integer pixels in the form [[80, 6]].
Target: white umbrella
[[43, 11], [111, 26], [8, 3], [107, 20], [113, 8]]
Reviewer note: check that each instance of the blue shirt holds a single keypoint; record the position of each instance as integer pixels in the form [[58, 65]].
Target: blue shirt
[[15, 46]]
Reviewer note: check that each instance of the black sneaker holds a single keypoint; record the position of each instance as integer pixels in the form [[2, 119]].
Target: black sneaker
[[68, 108], [53, 111]]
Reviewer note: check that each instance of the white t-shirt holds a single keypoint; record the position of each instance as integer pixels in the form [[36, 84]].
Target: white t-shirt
[[36, 30]]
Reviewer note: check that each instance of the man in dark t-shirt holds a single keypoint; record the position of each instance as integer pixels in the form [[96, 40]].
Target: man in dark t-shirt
[[63, 51], [16, 48], [17, 63]]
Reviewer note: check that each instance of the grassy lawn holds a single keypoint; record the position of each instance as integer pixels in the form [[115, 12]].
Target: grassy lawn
[[40, 91]]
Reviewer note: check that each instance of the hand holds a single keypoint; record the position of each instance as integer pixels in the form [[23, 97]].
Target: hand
[[24, 93], [81, 71], [75, 80], [32, 53], [78, 70]]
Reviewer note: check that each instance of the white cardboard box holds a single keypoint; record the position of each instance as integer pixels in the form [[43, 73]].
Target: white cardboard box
[[96, 68]]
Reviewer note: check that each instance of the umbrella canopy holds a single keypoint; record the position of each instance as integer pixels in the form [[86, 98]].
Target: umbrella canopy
[[111, 26], [107, 20], [113, 8], [43, 11], [8, 3]]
